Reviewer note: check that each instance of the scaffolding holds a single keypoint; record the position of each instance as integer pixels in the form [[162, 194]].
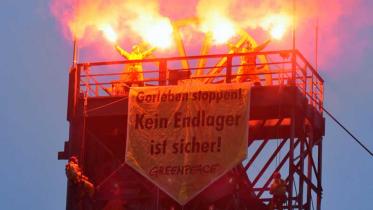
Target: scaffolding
[[286, 128]]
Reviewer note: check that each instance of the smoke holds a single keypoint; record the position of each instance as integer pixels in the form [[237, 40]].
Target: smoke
[[149, 23], [214, 18], [246, 14], [208, 8], [339, 23], [83, 19], [78, 16], [339, 20]]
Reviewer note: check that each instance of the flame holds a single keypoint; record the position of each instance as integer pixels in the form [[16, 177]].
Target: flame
[[215, 19], [142, 18], [109, 33], [153, 29], [277, 25], [90, 19], [221, 28]]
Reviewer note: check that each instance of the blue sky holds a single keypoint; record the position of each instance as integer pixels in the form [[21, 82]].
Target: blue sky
[[35, 58]]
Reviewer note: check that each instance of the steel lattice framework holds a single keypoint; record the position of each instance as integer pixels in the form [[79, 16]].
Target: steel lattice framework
[[285, 132]]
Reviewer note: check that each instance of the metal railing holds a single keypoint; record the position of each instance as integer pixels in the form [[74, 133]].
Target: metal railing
[[286, 67]]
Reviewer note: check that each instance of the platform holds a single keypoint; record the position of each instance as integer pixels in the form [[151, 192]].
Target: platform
[[286, 104]]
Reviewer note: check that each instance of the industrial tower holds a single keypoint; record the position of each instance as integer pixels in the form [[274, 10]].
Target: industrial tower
[[286, 128]]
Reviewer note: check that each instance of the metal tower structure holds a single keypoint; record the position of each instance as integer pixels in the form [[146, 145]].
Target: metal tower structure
[[286, 128]]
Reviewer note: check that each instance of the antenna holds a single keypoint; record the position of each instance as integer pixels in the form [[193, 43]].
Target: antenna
[[75, 51], [75, 42], [317, 36], [294, 12], [317, 44]]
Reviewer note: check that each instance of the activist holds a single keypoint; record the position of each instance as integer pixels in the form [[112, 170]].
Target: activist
[[133, 72], [248, 67], [278, 190], [80, 183]]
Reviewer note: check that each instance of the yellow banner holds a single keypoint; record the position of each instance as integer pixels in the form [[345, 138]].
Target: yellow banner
[[182, 138]]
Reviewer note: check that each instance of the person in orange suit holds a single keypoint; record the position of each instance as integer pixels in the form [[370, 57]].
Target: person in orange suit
[[278, 191], [248, 67], [133, 72], [75, 176]]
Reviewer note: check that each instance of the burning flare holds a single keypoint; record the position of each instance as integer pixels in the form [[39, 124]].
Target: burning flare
[[134, 18], [277, 25], [109, 33], [155, 30], [142, 18], [221, 28], [215, 19]]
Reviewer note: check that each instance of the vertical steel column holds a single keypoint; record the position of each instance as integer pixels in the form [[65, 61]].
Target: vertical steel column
[[229, 69], [312, 93], [301, 166], [77, 87], [73, 92], [319, 165], [292, 133], [82, 156], [309, 167], [291, 163], [162, 72]]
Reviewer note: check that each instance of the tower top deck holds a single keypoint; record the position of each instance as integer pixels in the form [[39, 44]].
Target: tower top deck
[[279, 68]]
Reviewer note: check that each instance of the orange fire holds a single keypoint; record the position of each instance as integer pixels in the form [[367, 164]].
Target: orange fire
[[109, 33], [142, 19], [215, 19], [221, 28], [277, 25], [155, 30]]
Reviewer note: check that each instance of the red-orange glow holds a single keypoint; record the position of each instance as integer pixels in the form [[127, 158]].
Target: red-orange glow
[[109, 33], [221, 28], [277, 25], [83, 19], [132, 19], [154, 29], [214, 18]]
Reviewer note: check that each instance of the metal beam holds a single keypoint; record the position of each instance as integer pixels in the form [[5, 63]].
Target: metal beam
[[257, 152], [265, 167], [281, 164]]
